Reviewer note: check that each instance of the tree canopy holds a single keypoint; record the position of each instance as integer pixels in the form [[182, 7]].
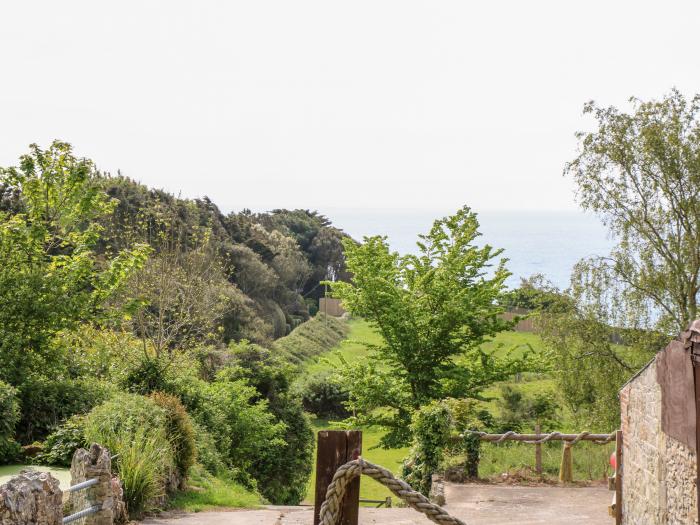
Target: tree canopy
[[433, 310], [640, 172]]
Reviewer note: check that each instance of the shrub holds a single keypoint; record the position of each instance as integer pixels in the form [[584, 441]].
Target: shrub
[[430, 427], [47, 402], [179, 430], [324, 395], [62, 443], [134, 427], [239, 422], [282, 472], [208, 455], [9, 417], [141, 468]]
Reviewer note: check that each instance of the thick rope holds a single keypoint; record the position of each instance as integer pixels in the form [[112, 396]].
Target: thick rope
[[330, 509], [546, 437]]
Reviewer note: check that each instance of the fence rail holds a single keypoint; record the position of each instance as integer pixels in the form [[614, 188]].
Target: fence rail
[[83, 513], [94, 509], [537, 439]]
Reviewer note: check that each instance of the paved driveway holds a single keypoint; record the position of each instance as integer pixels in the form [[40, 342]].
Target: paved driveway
[[473, 503]]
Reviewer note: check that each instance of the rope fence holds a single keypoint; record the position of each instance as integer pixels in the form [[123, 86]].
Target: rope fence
[[539, 439]]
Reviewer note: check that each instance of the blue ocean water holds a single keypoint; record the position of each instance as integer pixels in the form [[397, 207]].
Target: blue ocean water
[[547, 242]]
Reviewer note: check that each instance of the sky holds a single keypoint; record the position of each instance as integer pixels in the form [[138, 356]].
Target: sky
[[363, 105]]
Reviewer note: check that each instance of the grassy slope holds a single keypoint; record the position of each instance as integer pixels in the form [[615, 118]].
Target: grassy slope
[[590, 461], [207, 492], [352, 350]]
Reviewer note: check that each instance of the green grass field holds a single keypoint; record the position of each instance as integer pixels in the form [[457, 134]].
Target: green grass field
[[391, 459], [590, 461], [208, 492]]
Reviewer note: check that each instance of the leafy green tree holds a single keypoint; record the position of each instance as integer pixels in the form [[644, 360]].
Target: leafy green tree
[[50, 276], [433, 310], [520, 411], [640, 173]]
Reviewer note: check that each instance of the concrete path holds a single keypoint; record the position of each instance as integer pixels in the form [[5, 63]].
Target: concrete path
[[475, 504]]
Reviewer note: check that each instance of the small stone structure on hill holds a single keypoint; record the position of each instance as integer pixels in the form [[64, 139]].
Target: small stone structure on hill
[[659, 456]]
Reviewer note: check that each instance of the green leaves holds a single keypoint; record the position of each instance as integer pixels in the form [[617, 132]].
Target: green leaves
[[50, 277], [433, 310], [640, 172]]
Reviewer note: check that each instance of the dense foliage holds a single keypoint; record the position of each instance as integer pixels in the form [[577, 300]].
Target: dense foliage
[[640, 173], [433, 310], [9, 416], [126, 316]]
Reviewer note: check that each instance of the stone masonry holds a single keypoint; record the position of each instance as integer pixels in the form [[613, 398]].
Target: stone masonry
[[89, 464], [32, 498], [659, 472]]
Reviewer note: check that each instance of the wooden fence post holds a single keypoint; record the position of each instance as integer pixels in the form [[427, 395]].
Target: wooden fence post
[[538, 452], [618, 477], [335, 448]]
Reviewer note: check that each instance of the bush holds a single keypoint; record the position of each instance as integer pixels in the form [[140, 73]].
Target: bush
[[208, 455], [179, 430], [9, 417], [240, 424], [48, 402], [134, 427], [62, 443], [430, 427], [141, 469], [324, 395], [282, 472]]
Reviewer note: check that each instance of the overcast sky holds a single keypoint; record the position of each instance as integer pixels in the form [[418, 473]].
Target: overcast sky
[[325, 104]]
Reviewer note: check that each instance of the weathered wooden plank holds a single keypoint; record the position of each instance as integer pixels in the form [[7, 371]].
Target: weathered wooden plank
[[335, 448]]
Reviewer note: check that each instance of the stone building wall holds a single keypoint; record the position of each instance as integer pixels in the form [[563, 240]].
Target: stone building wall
[[659, 472]]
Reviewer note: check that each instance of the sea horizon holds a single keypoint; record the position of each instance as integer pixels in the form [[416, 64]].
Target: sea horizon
[[548, 242]]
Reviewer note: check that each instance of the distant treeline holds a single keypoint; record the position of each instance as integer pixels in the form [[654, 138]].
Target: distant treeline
[[272, 262]]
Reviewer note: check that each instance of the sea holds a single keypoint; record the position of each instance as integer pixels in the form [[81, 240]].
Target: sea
[[534, 242]]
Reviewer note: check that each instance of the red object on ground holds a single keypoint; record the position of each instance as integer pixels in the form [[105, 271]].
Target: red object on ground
[[613, 461]]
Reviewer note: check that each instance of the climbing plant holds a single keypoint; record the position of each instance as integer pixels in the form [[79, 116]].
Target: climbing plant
[[431, 429]]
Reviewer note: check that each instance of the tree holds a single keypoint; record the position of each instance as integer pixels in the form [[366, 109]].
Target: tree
[[640, 172], [179, 299], [50, 276], [433, 310]]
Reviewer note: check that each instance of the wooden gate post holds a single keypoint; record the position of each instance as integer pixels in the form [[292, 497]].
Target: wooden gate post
[[335, 448], [618, 477]]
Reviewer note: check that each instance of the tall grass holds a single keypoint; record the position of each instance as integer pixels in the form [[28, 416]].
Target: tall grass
[[591, 461], [134, 427], [141, 470]]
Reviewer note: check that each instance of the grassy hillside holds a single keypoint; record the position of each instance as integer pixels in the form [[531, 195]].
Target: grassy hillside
[[590, 461], [312, 338]]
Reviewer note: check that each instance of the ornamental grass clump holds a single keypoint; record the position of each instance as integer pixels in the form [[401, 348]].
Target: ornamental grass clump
[[135, 428]]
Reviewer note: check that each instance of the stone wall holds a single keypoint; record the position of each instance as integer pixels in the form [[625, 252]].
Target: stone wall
[[659, 472], [32, 498]]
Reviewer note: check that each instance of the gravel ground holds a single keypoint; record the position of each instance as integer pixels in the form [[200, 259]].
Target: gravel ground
[[473, 503]]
